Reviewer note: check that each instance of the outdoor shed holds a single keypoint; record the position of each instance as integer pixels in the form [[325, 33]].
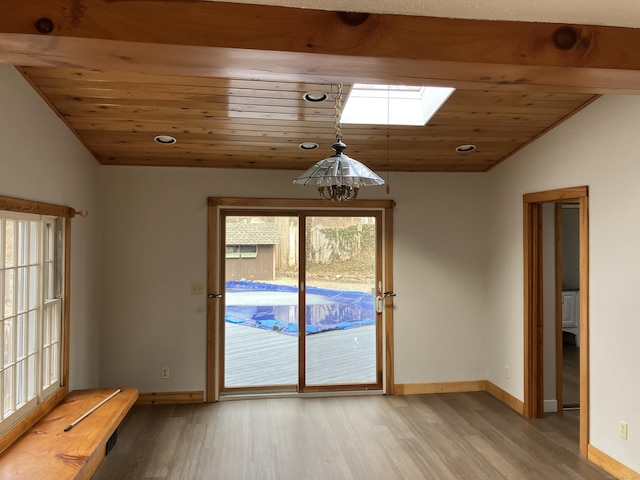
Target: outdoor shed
[[250, 252]]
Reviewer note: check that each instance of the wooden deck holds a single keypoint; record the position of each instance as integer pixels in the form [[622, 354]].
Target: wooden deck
[[256, 357]]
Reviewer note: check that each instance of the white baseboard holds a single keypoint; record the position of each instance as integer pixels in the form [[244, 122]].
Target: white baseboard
[[550, 406]]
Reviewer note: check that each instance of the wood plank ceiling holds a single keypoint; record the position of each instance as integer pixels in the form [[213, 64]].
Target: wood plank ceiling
[[228, 123]]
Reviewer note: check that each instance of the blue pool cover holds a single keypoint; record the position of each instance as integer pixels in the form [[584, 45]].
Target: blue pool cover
[[274, 307]]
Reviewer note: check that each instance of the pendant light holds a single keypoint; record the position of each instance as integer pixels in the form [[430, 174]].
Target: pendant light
[[339, 177]]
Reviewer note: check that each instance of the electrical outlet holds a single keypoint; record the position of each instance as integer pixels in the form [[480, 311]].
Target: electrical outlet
[[624, 430], [164, 373], [197, 288], [506, 373]]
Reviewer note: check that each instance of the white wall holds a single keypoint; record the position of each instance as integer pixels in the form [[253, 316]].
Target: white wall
[[41, 160], [154, 237], [594, 148], [440, 270]]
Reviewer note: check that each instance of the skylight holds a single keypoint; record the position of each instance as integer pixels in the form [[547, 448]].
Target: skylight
[[393, 104]]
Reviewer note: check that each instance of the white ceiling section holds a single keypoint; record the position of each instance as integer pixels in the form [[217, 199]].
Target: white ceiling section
[[621, 13]]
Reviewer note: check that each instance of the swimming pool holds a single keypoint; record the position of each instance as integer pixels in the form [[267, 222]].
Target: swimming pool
[[275, 307]]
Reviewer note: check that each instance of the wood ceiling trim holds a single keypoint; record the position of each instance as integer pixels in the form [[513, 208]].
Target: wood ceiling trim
[[247, 41]]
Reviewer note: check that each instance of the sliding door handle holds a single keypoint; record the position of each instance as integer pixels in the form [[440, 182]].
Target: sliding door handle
[[379, 302], [215, 295]]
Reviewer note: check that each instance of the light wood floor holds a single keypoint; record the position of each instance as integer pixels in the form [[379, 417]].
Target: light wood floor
[[437, 437]]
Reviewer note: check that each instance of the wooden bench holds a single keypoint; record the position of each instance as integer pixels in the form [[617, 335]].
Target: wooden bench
[[46, 451]]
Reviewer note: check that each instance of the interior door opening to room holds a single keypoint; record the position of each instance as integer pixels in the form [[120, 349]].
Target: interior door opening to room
[[534, 288], [296, 297], [567, 303]]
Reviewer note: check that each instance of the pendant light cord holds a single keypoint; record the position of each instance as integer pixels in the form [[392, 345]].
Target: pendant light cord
[[337, 98], [388, 188]]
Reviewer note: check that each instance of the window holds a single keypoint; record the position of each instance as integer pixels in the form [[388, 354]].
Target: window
[[242, 251], [393, 104], [31, 291]]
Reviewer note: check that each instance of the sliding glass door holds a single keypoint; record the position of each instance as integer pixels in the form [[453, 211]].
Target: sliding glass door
[[300, 301], [341, 330], [261, 301]]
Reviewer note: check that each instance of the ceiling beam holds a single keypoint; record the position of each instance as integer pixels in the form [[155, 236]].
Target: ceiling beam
[[280, 43]]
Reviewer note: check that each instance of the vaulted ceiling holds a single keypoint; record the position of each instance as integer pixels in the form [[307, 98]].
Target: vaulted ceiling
[[222, 122], [227, 80]]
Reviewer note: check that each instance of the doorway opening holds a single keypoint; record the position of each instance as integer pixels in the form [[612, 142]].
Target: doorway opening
[[534, 288], [567, 233], [296, 296]]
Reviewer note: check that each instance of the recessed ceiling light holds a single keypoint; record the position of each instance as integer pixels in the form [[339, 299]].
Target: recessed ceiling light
[[308, 146], [315, 96], [465, 148], [165, 139]]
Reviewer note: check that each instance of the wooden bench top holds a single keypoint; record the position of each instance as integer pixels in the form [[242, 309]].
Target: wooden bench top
[[46, 451]]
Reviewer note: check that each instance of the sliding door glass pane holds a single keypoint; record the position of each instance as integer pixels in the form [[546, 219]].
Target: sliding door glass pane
[[340, 315], [261, 301]]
